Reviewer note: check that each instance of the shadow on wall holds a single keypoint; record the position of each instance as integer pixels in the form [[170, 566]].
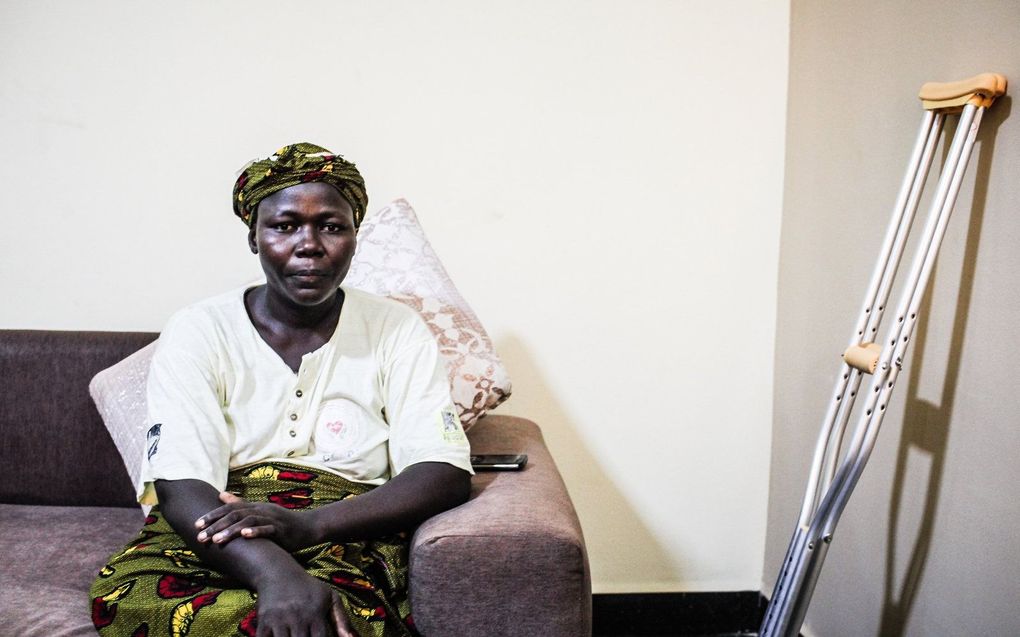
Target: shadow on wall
[[620, 547], [926, 425]]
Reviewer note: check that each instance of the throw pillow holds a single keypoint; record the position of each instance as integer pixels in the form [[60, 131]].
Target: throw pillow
[[119, 394], [395, 259]]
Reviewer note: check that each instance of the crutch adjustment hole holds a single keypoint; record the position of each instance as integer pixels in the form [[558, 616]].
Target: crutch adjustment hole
[[868, 413], [881, 407], [913, 315], [881, 307], [890, 384]]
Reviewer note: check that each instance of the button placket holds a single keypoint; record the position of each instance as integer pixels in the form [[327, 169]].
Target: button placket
[[296, 406]]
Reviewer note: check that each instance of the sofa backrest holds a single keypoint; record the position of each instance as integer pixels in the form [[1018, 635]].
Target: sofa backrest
[[54, 448]]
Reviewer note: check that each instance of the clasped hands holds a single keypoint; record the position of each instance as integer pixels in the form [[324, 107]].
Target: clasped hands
[[289, 603], [239, 518]]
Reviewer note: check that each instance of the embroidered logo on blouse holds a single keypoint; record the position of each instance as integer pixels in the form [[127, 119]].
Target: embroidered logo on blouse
[[339, 430], [152, 440], [449, 425]]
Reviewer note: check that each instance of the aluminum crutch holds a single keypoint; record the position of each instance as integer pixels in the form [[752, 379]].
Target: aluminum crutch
[[829, 488]]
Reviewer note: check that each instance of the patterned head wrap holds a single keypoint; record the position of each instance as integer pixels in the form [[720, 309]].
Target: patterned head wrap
[[298, 164]]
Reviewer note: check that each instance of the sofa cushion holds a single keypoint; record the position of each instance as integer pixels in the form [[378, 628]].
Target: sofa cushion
[[50, 557]]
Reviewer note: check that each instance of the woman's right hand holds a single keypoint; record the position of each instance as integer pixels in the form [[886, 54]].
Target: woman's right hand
[[291, 605]]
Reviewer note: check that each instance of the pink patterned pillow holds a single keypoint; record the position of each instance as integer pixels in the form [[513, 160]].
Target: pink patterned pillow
[[394, 259]]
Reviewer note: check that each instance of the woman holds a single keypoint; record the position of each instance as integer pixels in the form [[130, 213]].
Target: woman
[[299, 430]]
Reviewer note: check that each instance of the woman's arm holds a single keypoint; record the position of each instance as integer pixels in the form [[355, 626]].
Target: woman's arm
[[289, 598], [411, 497], [414, 495]]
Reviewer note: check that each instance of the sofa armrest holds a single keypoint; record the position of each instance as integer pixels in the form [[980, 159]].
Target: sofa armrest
[[512, 560]]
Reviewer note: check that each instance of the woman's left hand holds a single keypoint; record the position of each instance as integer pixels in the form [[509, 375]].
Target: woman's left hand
[[238, 518]]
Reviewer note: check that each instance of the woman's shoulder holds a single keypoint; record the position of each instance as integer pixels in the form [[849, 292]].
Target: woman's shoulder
[[374, 305], [386, 317], [207, 320]]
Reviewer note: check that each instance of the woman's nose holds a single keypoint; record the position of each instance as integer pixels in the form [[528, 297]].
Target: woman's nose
[[309, 242]]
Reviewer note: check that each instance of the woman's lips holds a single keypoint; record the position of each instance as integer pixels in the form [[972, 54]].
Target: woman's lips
[[309, 276]]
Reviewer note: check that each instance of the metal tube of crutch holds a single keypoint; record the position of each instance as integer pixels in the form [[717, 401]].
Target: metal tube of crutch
[[866, 433], [903, 225], [937, 219], [907, 218], [883, 386], [908, 319], [936, 214], [912, 196], [892, 248]]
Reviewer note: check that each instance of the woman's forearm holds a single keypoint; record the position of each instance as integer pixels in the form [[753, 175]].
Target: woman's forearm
[[184, 501], [405, 501], [290, 601]]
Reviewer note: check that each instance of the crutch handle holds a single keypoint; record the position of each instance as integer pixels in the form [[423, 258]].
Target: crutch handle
[[863, 357], [980, 90]]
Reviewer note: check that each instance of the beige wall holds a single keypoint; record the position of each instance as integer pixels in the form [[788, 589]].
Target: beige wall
[[602, 179], [927, 545]]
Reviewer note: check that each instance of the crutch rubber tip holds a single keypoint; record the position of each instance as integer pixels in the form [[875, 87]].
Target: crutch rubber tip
[[980, 90]]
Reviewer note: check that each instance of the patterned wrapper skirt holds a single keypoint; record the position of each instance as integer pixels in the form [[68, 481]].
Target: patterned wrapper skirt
[[158, 586]]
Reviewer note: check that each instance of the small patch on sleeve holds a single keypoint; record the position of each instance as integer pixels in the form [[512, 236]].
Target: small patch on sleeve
[[450, 427], [152, 440]]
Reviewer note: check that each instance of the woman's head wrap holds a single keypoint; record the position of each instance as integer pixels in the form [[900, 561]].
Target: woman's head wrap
[[298, 164]]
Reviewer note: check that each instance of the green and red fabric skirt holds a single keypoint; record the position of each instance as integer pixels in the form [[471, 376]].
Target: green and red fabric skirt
[[157, 586]]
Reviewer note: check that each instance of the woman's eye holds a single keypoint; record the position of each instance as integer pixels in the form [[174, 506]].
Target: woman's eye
[[334, 227], [283, 227]]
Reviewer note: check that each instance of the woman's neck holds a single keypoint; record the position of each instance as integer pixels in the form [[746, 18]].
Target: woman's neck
[[278, 314]]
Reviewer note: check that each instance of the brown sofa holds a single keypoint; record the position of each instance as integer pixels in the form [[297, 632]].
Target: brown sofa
[[511, 561]]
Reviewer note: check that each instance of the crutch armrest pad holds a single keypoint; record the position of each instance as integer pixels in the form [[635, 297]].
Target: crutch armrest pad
[[980, 90]]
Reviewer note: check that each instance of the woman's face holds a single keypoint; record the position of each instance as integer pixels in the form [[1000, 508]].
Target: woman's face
[[304, 236]]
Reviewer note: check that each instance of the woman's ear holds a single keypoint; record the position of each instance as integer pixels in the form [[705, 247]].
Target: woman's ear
[[252, 243]]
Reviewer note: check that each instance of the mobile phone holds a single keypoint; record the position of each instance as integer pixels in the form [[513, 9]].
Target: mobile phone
[[499, 462]]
